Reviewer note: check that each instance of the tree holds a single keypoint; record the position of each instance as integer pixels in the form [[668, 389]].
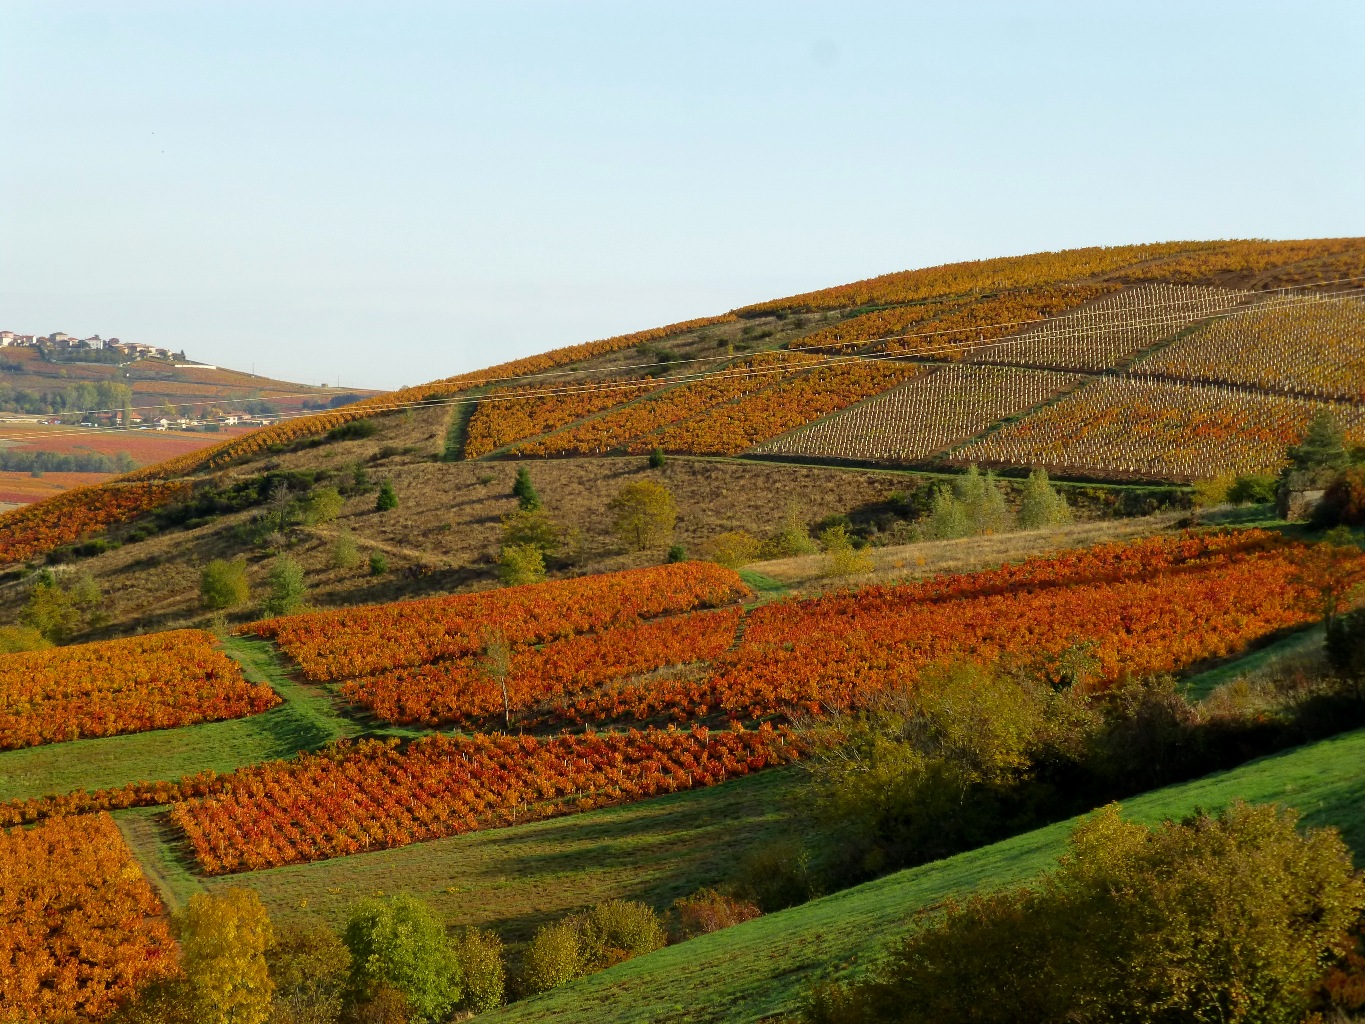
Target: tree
[[791, 538], [947, 516], [345, 555], [496, 665], [532, 526], [982, 502], [1322, 446], [657, 460], [379, 564], [644, 515], [322, 505], [223, 939], [310, 967], [387, 499], [479, 954], [287, 587], [733, 549], [58, 610], [525, 491], [841, 557], [1040, 504], [399, 943], [519, 564], [223, 584]]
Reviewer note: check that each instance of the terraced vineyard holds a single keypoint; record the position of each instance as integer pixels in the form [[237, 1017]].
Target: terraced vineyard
[[1129, 426], [924, 417]]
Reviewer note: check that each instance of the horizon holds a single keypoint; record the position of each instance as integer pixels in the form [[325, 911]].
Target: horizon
[[373, 200]]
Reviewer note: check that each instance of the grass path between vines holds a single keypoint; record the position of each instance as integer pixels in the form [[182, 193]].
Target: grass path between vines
[[758, 971], [307, 718]]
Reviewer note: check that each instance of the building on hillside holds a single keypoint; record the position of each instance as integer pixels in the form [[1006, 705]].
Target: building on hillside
[[7, 338]]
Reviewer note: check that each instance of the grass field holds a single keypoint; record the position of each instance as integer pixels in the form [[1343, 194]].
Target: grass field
[[306, 719], [757, 971]]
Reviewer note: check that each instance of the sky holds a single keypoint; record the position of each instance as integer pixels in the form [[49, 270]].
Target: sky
[[380, 194]]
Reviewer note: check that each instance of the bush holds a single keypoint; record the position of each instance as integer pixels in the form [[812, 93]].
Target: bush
[[1252, 489], [657, 459], [310, 967], [525, 491], [322, 506], [1213, 492], [14, 639], [707, 910], [533, 527], [399, 943], [521, 563], [677, 553], [553, 957], [223, 584], [732, 549], [1040, 505], [479, 956], [841, 557], [387, 499], [287, 587], [1224, 918], [644, 515], [353, 431], [379, 563], [345, 554], [792, 537], [582, 944], [223, 939], [775, 876]]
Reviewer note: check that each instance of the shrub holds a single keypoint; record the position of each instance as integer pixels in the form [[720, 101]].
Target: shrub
[[841, 557], [287, 587], [14, 639], [533, 527], [345, 555], [1213, 492], [553, 957], [644, 515], [707, 910], [322, 506], [775, 876], [521, 563], [479, 956], [1224, 918], [1040, 505], [399, 943], [1252, 489], [677, 553], [792, 537], [619, 930], [656, 459], [223, 584], [732, 549], [353, 431], [525, 491], [379, 563], [309, 966], [387, 499]]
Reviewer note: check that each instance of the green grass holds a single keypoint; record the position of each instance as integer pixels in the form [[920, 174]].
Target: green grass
[[761, 584], [758, 970], [306, 719], [513, 878]]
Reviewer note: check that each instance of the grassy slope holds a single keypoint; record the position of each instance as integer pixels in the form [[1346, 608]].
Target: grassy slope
[[305, 720], [514, 878], [757, 970]]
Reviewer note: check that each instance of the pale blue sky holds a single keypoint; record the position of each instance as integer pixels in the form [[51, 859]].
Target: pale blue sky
[[393, 192]]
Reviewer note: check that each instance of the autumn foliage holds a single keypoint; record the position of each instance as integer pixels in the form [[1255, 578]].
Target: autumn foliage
[[80, 928], [76, 514], [374, 796], [158, 681], [339, 645], [508, 415]]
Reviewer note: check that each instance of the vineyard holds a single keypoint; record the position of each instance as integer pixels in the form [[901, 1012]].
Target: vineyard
[[925, 416], [374, 796], [1312, 345], [508, 415], [1135, 427], [792, 402], [1113, 329], [76, 514], [80, 928], [462, 690], [341, 645], [158, 681]]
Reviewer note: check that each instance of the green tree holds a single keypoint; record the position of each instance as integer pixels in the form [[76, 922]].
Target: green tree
[[480, 957], [525, 491], [223, 584], [532, 526], [223, 939], [1322, 447], [345, 555], [644, 515], [947, 516], [1040, 504], [379, 564], [58, 610], [288, 587], [387, 499], [310, 967], [322, 505], [982, 502], [519, 564], [399, 943], [1226, 918], [657, 460]]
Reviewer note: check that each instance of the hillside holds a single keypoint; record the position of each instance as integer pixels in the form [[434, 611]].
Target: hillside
[[585, 626]]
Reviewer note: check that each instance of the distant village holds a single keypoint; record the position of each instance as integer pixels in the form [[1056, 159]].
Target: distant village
[[94, 343]]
